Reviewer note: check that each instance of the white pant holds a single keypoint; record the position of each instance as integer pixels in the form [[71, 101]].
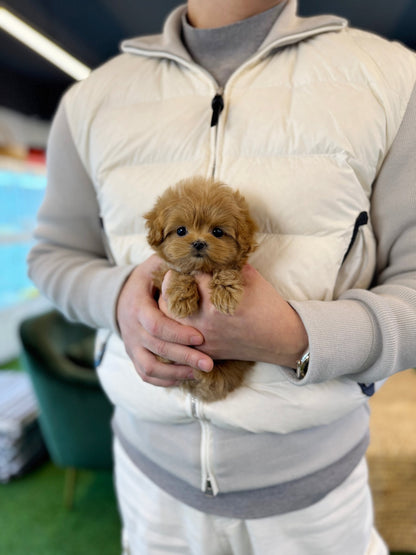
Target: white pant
[[154, 523]]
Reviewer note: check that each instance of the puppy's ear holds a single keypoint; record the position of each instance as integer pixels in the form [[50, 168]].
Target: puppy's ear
[[155, 228], [246, 226]]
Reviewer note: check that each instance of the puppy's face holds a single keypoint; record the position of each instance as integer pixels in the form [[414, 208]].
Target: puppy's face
[[199, 226]]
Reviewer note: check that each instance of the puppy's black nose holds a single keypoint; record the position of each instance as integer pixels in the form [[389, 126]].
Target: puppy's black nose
[[199, 245]]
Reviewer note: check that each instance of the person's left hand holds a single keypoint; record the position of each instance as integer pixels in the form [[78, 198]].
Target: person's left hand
[[263, 328]]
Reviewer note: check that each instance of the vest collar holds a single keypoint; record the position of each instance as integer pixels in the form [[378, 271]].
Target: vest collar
[[288, 29]]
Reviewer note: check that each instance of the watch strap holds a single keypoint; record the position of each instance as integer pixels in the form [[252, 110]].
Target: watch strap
[[302, 365]]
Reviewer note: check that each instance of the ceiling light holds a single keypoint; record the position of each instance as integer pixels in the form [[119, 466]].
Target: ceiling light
[[43, 46]]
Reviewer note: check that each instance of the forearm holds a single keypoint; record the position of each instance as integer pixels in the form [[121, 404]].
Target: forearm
[[83, 287], [369, 335]]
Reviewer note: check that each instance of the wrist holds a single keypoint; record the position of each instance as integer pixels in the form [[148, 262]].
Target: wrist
[[290, 344], [299, 341]]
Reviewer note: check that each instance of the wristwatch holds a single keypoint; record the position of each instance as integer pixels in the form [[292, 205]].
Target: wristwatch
[[302, 365]]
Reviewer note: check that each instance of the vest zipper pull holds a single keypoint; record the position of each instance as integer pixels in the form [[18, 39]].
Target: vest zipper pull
[[217, 106], [209, 491]]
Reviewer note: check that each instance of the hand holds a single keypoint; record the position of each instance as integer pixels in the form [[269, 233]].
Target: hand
[[147, 332], [264, 327]]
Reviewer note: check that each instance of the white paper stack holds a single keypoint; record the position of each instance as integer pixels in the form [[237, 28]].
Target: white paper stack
[[21, 443]]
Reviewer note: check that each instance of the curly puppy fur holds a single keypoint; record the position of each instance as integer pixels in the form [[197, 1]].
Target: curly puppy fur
[[202, 225]]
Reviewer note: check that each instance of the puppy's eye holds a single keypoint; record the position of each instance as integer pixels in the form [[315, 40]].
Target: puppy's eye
[[181, 231], [217, 232]]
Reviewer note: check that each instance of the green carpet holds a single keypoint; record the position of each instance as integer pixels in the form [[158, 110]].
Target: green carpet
[[35, 522]]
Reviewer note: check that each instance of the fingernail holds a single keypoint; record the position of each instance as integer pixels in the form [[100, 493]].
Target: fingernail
[[190, 376], [196, 340], [204, 365]]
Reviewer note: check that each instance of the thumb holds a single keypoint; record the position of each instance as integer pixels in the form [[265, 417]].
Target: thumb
[[165, 284]]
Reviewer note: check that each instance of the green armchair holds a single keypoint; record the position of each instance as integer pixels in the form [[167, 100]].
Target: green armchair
[[75, 414]]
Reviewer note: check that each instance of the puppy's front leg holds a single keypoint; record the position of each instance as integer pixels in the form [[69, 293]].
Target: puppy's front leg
[[226, 290], [182, 293]]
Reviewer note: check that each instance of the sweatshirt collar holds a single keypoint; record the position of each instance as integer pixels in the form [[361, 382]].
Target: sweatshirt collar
[[289, 28]]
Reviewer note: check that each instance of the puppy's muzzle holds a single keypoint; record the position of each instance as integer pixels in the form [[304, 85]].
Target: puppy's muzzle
[[199, 246]]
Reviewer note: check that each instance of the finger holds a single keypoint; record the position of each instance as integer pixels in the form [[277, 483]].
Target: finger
[[204, 289], [165, 284], [160, 326], [159, 373], [177, 353]]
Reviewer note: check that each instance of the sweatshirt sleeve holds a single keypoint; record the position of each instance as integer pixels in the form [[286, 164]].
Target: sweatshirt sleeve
[[370, 335], [68, 262]]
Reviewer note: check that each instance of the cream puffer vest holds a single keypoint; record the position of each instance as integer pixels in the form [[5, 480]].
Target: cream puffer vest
[[302, 135]]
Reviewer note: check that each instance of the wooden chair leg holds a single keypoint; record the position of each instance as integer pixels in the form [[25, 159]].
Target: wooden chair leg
[[69, 487]]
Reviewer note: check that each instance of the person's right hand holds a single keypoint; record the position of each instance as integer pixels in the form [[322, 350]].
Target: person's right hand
[[147, 332]]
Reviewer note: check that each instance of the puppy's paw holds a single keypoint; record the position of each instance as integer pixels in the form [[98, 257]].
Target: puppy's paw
[[158, 276], [183, 296], [226, 290], [182, 307]]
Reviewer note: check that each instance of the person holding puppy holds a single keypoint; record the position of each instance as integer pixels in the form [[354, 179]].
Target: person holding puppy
[[311, 121]]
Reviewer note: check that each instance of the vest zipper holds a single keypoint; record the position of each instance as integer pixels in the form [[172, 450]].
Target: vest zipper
[[208, 488], [362, 219], [208, 483], [217, 105]]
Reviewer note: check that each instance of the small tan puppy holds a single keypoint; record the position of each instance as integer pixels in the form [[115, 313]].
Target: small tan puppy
[[201, 225]]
